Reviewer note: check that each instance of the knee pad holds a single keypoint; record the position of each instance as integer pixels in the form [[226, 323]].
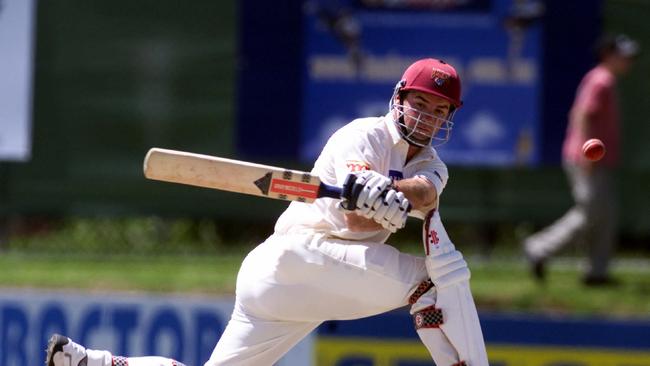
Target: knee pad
[[447, 269]]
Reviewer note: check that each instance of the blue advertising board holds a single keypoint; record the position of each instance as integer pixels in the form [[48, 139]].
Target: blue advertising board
[[185, 328], [355, 54]]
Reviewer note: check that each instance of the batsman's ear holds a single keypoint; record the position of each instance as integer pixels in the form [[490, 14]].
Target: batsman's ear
[[401, 96]]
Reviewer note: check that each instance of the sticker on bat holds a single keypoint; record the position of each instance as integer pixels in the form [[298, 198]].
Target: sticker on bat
[[287, 187]]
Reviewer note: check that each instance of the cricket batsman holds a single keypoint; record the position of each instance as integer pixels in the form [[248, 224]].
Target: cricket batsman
[[328, 260]]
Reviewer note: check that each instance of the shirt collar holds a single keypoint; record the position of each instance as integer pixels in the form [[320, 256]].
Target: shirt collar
[[426, 153], [392, 129]]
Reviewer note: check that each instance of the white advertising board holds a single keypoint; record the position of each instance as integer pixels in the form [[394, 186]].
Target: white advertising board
[[16, 67]]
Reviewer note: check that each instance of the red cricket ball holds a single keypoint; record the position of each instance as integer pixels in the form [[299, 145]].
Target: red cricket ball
[[593, 149]]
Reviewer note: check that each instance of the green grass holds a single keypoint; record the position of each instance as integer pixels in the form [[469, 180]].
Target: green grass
[[179, 274], [149, 254], [498, 284], [508, 285]]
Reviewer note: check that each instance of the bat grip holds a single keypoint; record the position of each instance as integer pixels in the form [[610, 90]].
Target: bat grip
[[326, 190], [345, 192]]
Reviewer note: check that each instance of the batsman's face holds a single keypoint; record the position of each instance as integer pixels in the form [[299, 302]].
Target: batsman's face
[[425, 115]]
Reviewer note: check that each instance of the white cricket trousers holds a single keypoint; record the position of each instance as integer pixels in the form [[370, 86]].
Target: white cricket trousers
[[289, 284]]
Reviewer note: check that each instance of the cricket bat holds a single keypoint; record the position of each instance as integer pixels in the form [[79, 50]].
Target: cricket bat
[[237, 176]]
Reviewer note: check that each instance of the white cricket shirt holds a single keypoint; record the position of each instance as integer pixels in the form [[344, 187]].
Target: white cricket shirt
[[367, 143]]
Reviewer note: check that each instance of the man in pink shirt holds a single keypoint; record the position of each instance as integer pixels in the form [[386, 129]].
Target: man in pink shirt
[[593, 218]]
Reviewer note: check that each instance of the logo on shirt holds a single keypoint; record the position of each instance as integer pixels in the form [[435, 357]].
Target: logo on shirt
[[395, 175], [357, 165]]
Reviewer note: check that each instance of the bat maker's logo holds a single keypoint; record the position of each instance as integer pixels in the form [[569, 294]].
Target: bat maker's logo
[[433, 237]]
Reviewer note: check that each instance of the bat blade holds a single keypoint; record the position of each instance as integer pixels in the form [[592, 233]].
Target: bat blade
[[235, 176]]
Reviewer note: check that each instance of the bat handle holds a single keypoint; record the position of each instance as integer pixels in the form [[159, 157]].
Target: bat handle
[[326, 190], [345, 192]]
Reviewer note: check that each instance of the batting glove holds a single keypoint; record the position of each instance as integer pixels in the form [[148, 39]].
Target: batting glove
[[390, 210], [363, 190], [374, 186]]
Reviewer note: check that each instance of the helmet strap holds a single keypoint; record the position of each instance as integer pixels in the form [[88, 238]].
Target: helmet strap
[[401, 124], [405, 132]]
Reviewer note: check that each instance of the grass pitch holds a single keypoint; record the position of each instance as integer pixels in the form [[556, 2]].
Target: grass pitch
[[497, 284], [189, 256]]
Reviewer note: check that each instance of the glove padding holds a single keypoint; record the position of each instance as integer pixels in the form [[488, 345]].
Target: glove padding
[[373, 199], [363, 189], [374, 186], [390, 210]]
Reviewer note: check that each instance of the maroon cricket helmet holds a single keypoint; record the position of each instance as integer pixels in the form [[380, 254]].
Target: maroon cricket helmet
[[435, 77]]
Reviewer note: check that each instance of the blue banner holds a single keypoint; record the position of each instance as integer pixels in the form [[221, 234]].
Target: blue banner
[[183, 327], [354, 55]]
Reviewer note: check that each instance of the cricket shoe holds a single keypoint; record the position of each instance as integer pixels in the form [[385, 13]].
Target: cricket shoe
[[62, 351]]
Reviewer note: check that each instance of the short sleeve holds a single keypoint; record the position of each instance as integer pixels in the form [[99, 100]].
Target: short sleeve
[[436, 172], [592, 96]]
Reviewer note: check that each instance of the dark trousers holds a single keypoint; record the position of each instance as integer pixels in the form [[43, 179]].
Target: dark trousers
[[592, 221]]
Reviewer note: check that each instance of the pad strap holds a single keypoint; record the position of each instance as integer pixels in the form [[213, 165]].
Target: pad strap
[[428, 318], [423, 287], [120, 361]]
